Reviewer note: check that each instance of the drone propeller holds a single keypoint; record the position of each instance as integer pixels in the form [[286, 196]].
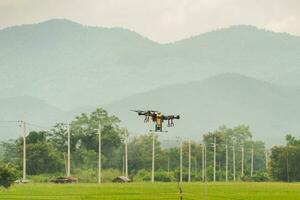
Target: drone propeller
[[137, 111], [145, 111]]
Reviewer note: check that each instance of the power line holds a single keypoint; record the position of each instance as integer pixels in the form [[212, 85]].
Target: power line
[[31, 126], [38, 126], [3, 121], [28, 123], [7, 126]]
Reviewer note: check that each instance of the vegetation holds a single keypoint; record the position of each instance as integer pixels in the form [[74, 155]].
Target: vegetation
[[285, 162], [147, 191], [46, 154], [8, 174]]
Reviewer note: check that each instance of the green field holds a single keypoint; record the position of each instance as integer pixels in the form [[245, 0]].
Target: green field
[[144, 191]]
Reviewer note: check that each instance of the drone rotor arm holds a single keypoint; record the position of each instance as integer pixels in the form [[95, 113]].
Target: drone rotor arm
[[170, 119]]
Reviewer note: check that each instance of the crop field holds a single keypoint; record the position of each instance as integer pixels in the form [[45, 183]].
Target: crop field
[[156, 191]]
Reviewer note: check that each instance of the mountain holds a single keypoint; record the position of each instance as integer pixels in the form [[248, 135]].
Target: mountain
[[70, 65], [30, 109], [246, 50], [270, 110], [58, 65], [230, 99]]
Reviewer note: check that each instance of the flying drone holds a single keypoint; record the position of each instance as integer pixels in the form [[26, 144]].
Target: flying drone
[[158, 118]]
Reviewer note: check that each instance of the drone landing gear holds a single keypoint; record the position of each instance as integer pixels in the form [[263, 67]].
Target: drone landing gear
[[157, 128], [147, 118], [170, 123]]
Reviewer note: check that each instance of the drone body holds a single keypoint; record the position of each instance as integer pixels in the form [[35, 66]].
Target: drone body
[[158, 118]]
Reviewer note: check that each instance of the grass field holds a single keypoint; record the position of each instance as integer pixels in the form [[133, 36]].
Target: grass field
[[157, 191]]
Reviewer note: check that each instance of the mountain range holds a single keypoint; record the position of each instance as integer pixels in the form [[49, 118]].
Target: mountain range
[[234, 75], [271, 111]]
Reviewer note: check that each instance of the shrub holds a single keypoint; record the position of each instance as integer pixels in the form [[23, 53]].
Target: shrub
[[109, 174], [85, 175], [142, 175], [91, 175], [8, 174], [261, 177], [162, 176], [258, 177], [43, 178]]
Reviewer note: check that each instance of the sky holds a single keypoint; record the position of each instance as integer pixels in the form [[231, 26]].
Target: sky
[[159, 20]]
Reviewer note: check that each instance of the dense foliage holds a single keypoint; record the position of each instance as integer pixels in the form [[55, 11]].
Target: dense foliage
[[46, 153], [285, 160], [8, 174]]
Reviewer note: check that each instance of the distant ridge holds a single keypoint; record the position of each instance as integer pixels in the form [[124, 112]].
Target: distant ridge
[[61, 53], [70, 66], [271, 111]]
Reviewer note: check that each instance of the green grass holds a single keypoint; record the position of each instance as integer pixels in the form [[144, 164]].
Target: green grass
[[157, 191]]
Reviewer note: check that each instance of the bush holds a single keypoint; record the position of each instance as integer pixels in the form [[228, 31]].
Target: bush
[[258, 177], [43, 178], [142, 175], [109, 174], [91, 175], [261, 177], [8, 175], [162, 176], [85, 175]]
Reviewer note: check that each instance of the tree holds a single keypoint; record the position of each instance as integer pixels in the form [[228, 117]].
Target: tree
[[35, 137], [41, 156], [278, 163], [285, 160], [8, 174], [10, 153], [85, 140], [239, 136], [140, 154]]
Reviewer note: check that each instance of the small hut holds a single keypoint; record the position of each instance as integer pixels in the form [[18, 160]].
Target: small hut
[[66, 179], [21, 181], [121, 179]]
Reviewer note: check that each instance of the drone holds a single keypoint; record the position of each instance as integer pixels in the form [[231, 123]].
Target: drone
[[158, 118]]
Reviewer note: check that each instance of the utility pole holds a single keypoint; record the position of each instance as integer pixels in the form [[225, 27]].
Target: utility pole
[[203, 173], [214, 159], [24, 150], [252, 157], [196, 166], [267, 159], [126, 153], [123, 168], [287, 164], [99, 153], [233, 159], [168, 166], [226, 172], [69, 151], [205, 157], [153, 157], [180, 161], [242, 160], [190, 158]]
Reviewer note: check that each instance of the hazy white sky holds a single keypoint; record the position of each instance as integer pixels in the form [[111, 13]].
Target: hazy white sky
[[159, 20]]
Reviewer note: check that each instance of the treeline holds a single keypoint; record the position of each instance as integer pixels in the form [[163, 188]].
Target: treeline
[[285, 161], [47, 150], [46, 154]]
